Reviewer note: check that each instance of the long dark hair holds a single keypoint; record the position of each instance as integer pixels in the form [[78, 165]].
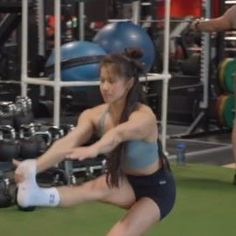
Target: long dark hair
[[126, 66]]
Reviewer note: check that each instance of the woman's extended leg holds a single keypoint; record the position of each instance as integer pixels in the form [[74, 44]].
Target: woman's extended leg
[[97, 190], [29, 193], [140, 217]]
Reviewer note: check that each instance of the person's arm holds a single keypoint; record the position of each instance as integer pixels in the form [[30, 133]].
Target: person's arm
[[212, 25], [139, 126], [223, 23], [78, 136]]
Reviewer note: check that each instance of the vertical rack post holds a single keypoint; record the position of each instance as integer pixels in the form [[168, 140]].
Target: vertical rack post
[[57, 64], [81, 21], [136, 12], [165, 72], [41, 27], [205, 58], [41, 36], [24, 47]]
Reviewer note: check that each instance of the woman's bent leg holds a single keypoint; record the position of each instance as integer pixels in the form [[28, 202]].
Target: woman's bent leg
[[140, 217]]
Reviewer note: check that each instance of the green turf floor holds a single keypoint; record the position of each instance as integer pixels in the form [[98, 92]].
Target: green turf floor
[[205, 206]]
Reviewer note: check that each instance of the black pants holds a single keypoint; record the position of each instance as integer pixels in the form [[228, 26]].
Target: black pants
[[159, 186]]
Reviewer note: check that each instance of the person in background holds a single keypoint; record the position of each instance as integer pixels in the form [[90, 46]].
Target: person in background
[[225, 22], [138, 176]]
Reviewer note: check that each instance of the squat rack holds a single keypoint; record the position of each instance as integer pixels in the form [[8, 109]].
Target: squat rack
[[57, 84]]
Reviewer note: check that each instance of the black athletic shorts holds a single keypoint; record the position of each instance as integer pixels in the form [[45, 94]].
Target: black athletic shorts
[[159, 186]]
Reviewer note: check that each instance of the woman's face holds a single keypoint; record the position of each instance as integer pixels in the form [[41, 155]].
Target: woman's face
[[113, 88]]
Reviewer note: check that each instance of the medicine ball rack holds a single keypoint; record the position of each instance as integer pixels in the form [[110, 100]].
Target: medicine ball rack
[[57, 84]]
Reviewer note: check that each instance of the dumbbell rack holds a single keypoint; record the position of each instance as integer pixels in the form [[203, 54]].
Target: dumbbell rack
[[57, 84]]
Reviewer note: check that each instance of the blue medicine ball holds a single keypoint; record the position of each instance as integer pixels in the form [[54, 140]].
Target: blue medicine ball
[[116, 37], [79, 61]]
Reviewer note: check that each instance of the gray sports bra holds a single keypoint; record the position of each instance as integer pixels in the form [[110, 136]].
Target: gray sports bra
[[139, 153]]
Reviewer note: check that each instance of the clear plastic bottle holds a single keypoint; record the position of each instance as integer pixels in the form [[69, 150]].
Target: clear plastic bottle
[[180, 153]]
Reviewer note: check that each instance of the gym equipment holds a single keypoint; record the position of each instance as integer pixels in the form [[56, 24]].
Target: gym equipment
[[9, 146], [191, 65], [229, 111], [16, 114], [221, 73], [67, 128], [32, 142], [220, 101], [118, 36], [8, 26], [56, 132], [85, 170], [184, 96], [29, 146], [53, 176], [7, 111], [5, 197], [23, 111], [43, 107], [225, 110], [227, 70], [79, 61]]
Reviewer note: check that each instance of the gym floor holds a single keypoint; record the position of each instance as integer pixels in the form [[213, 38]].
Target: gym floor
[[204, 204], [213, 148]]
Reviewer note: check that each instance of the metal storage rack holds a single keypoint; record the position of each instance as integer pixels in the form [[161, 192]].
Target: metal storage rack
[[57, 84]]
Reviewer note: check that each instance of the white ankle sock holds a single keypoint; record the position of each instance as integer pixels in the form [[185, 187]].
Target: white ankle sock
[[29, 193]]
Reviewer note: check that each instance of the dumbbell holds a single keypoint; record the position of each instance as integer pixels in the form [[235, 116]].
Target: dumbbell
[[56, 132], [23, 111], [67, 128], [7, 111], [53, 176], [44, 140], [32, 142], [95, 167], [5, 197], [9, 146]]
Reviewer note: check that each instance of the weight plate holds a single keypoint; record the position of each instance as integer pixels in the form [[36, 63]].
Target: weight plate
[[222, 66], [229, 75], [222, 100]]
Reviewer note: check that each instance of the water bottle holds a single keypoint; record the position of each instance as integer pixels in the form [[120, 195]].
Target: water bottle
[[180, 154]]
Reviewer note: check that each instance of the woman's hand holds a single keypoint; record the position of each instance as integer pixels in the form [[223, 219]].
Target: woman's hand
[[82, 153]]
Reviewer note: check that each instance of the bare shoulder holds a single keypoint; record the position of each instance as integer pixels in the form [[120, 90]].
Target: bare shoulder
[[95, 110], [140, 125], [145, 112], [144, 119], [146, 109], [93, 114]]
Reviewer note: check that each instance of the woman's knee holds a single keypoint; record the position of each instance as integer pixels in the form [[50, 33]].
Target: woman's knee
[[97, 186]]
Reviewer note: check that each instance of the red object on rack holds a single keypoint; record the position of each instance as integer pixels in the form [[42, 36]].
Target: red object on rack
[[181, 8], [216, 10]]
